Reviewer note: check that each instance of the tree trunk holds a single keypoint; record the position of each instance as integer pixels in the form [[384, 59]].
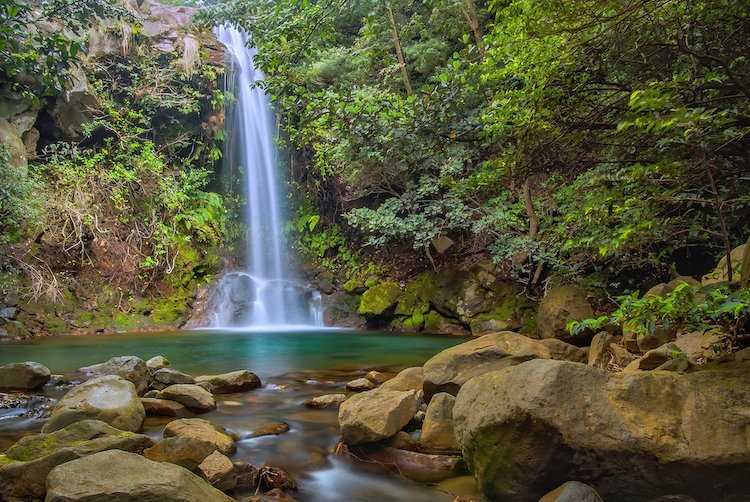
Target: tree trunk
[[528, 203], [530, 212], [722, 221], [397, 44], [470, 11]]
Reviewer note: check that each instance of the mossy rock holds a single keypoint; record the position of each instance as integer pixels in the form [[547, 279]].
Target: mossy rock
[[354, 285], [379, 298], [411, 324], [416, 296]]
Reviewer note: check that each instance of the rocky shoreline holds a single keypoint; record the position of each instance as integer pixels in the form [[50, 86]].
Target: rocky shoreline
[[518, 418]]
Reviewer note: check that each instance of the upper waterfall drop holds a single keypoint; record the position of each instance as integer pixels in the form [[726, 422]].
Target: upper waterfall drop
[[265, 293]]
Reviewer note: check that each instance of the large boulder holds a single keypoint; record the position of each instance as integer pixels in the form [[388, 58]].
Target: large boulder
[[202, 430], [118, 476], [633, 436], [451, 368], [130, 368], [192, 396], [719, 274], [26, 376], [228, 383], [25, 465], [375, 415], [560, 305], [110, 399]]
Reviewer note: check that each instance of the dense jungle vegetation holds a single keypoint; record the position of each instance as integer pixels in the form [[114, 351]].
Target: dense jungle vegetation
[[606, 140], [106, 197], [600, 142]]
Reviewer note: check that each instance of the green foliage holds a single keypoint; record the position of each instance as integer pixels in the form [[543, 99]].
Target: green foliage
[[131, 199], [685, 309], [40, 43], [627, 123], [16, 188]]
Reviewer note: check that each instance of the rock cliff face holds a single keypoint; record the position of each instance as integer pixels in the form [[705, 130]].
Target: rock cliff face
[[453, 301], [95, 293]]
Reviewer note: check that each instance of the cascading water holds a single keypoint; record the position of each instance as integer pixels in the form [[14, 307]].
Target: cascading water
[[265, 293]]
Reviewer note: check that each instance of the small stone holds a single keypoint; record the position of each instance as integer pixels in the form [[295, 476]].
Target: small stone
[[8, 313], [203, 430], [229, 383], [194, 397], [599, 350], [157, 363], [420, 467], [246, 476], [218, 470], [360, 385], [270, 477], [657, 338], [270, 429], [678, 365], [164, 408], [572, 491], [654, 358], [377, 377], [151, 394], [165, 377], [326, 401], [185, 451], [275, 495]]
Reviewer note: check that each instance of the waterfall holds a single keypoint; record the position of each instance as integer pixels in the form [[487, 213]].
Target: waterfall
[[265, 293]]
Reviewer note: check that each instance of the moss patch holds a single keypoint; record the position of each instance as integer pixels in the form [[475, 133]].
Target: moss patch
[[416, 296], [379, 298]]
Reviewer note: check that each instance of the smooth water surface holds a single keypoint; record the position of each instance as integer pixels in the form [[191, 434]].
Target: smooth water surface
[[294, 367]]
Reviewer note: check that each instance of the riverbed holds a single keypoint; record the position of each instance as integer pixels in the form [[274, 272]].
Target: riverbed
[[293, 365]]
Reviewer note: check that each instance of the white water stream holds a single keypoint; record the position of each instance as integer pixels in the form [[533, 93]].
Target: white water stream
[[265, 294]]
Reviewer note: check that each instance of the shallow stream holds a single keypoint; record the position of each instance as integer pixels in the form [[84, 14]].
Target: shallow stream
[[294, 366]]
